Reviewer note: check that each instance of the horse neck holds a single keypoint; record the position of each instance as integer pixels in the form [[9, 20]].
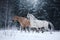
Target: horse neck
[[19, 20], [32, 18]]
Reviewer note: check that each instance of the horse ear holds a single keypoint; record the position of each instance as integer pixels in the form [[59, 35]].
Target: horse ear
[[27, 15], [28, 12]]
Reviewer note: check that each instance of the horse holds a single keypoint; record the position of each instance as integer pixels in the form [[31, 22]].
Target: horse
[[40, 23], [24, 22]]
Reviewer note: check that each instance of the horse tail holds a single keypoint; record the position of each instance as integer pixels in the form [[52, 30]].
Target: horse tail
[[52, 26]]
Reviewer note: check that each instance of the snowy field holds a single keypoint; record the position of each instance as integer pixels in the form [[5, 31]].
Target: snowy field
[[18, 35]]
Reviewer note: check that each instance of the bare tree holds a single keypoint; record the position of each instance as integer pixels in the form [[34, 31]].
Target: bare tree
[[6, 13]]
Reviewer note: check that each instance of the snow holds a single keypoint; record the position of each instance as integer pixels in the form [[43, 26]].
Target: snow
[[18, 35]]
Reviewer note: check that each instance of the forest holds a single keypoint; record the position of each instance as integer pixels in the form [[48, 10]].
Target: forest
[[42, 9]]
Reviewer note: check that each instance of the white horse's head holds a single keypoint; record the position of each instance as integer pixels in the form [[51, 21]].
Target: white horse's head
[[28, 16], [31, 16]]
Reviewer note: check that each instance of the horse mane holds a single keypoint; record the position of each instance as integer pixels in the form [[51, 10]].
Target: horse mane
[[31, 16], [18, 17]]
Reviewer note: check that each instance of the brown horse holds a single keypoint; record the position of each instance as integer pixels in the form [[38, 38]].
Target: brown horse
[[24, 22]]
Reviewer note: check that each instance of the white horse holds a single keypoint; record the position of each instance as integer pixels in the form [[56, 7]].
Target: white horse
[[39, 23]]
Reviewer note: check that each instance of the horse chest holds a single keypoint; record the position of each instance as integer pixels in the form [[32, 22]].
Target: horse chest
[[25, 23], [32, 23]]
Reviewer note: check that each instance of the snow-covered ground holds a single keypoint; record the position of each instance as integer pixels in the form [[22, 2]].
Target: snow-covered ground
[[18, 35]]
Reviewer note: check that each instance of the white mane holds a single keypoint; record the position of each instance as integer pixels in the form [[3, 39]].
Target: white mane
[[31, 16]]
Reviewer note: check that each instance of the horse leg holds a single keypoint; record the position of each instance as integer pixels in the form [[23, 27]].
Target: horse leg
[[36, 29], [18, 25], [42, 29], [39, 29], [24, 29], [33, 29], [18, 28], [28, 29], [48, 30], [21, 29]]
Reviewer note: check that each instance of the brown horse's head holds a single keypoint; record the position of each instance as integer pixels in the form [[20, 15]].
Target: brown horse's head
[[15, 18]]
